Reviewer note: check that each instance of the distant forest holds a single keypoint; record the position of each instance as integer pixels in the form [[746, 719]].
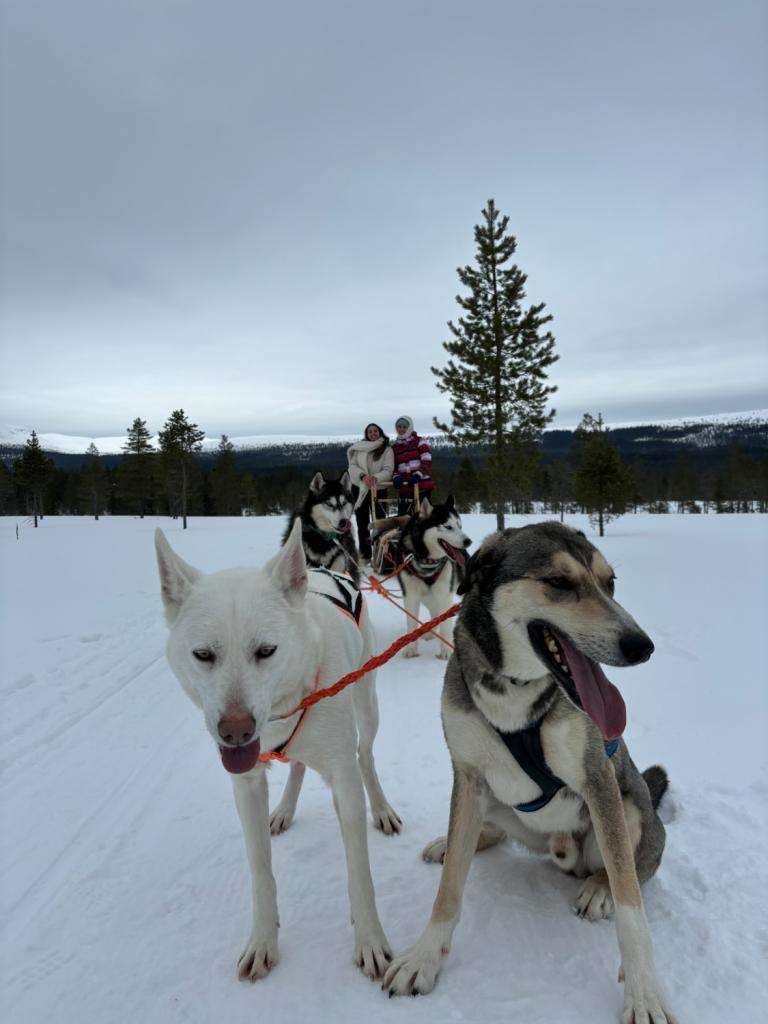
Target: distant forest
[[689, 468]]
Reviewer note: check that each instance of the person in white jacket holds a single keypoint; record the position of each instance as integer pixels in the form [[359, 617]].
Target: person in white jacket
[[371, 461]]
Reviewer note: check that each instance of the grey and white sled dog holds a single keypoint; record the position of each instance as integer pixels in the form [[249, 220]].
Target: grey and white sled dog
[[437, 545], [247, 645], [533, 724], [326, 525]]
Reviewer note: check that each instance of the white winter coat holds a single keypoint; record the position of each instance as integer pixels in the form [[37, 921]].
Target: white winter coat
[[363, 462]]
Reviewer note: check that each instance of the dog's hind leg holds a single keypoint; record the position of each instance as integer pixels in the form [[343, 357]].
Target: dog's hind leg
[[490, 835], [367, 719], [372, 951], [252, 801], [281, 818]]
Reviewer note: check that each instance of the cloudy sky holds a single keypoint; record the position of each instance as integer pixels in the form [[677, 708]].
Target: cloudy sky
[[255, 211]]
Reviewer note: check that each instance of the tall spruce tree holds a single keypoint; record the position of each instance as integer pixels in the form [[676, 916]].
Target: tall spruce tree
[[601, 482], [137, 466], [225, 480], [179, 440], [94, 480], [34, 473], [497, 378]]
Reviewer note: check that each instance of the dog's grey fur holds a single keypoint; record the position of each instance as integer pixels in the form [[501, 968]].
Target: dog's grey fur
[[603, 824]]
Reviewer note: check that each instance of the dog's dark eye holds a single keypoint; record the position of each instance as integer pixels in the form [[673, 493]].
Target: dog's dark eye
[[204, 654], [611, 584], [559, 582], [265, 651]]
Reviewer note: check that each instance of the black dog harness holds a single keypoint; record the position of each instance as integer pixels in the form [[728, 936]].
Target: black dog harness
[[525, 747]]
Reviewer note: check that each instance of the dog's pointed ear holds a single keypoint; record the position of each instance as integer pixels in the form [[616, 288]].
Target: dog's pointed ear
[[176, 577], [425, 509], [317, 483], [288, 568], [480, 566], [450, 503], [345, 481]]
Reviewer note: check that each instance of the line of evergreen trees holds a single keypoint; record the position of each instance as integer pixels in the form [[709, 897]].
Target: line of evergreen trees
[[174, 480]]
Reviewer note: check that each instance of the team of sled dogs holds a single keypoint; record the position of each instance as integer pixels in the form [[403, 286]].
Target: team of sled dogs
[[532, 724]]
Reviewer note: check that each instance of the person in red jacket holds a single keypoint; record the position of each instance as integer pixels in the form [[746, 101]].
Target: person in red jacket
[[413, 464]]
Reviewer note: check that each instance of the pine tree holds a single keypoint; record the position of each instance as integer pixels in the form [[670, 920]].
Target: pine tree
[[94, 480], [136, 469], [179, 440], [601, 481], [34, 473], [497, 379], [225, 480]]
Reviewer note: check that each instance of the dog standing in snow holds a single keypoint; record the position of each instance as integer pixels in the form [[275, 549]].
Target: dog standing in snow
[[247, 646]]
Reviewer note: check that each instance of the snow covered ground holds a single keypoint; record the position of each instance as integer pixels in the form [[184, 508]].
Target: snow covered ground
[[125, 891]]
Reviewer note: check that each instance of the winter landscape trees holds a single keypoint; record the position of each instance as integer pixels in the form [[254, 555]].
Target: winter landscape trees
[[497, 376]]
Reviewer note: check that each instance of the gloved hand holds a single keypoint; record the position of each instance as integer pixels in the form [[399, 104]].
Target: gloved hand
[[397, 480], [416, 477]]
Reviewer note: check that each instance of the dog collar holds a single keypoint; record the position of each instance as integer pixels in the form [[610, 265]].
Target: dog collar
[[326, 536]]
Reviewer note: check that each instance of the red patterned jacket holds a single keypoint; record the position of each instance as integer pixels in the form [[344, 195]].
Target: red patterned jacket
[[412, 456]]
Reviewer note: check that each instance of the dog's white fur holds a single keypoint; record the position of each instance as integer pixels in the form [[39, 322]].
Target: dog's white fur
[[234, 614]]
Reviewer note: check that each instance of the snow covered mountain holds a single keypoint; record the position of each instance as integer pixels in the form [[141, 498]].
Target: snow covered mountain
[[701, 431]]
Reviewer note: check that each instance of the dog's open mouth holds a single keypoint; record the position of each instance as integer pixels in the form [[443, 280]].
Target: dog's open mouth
[[457, 555], [583, 680], [240, 759]]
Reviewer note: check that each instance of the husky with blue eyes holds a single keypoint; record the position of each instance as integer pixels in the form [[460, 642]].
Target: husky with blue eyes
[[326, 525], [248, 645]]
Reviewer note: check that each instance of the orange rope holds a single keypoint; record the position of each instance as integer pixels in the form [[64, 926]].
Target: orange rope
[[377, 586], [374, 662]]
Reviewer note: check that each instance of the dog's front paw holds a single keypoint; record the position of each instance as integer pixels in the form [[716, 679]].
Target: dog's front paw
[[372, 955], [414, 973], [411, 652], [594, 901], [443, 654], [434, 852], [259, 956], [387, 821], [644, 1002], [280, 819]]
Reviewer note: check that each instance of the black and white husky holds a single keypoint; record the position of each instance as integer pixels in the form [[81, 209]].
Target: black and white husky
[[326, 525], [435, 545]]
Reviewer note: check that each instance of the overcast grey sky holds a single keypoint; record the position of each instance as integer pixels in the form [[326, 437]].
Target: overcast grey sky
[[255, 211]]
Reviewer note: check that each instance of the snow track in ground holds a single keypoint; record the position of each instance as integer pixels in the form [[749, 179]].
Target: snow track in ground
[[125, 890]]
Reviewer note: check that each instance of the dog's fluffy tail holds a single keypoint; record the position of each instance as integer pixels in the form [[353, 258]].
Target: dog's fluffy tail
[[657, 780]]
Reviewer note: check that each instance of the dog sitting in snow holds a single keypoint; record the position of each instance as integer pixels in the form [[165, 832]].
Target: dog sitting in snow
[[326, 525], [247, 646], [534, 730]]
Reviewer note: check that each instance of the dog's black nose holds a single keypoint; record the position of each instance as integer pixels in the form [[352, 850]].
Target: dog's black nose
[[636, 647], [467, 542]]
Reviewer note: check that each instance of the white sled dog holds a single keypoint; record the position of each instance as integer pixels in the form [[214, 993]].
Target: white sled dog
[[533, 727], [247, 645]]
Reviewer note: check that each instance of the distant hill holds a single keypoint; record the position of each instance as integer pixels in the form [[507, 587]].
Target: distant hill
[[707, 438]]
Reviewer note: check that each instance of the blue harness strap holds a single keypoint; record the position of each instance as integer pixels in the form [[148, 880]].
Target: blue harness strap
[[525, 747]]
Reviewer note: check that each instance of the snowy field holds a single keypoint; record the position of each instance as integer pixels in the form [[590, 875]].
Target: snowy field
[[125, 889]]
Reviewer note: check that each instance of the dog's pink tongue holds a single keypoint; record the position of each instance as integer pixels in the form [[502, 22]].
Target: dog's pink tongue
[[599, 697], [240, 759]]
